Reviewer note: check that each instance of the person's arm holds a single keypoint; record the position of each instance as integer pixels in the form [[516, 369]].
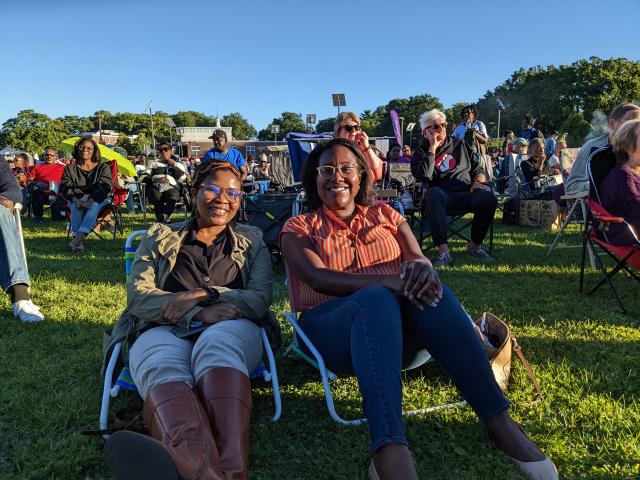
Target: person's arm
[[481, 134], [243, 172], [477, 173], [423, 165], [145, 300], [9, 187], [104, 184]]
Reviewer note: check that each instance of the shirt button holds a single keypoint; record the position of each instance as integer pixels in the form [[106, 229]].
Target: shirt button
[[206, 279]]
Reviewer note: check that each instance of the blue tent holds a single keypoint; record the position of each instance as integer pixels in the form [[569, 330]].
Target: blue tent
[[300, 144]]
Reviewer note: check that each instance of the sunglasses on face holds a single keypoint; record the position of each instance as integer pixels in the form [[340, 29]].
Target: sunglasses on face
[[352, 128], [212, 190], [437, 126], [346, 170], [51, 154]]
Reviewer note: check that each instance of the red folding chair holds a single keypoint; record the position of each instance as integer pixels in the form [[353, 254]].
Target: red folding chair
[[626, 258]]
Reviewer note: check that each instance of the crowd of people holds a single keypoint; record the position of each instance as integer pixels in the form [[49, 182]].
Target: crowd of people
[[368, 298]]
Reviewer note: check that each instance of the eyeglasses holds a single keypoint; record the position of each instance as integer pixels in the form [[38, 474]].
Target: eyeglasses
[[212, 190], [87, 147], [351, 128], [437, 126], [50, 155], [165, 149], [346, 170]]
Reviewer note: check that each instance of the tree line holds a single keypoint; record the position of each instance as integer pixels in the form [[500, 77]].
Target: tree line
[[564, 98]]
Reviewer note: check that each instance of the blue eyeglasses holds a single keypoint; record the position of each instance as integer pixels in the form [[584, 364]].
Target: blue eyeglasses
[[212, 190]]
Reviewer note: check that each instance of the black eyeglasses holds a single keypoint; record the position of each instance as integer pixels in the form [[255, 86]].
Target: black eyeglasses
[[351, 128], [346, 170], [212, 190], [437, 126]]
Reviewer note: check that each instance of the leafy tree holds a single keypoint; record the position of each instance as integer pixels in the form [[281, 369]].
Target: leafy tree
[[289, 122], [128, 123], [192, 119], [141, 144], [74, 125], [103, 115], [32, 131], [124, 142], [454, 112], [242, 129], [577, 128], [325, 125]]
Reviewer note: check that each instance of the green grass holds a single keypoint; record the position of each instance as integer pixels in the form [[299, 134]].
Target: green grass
[[585, 352]]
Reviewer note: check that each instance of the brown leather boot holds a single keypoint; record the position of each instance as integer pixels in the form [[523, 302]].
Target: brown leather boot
[[176, 418], [226, 396]]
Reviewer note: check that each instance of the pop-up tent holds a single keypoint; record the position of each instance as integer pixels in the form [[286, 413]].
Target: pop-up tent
[[300, 144]]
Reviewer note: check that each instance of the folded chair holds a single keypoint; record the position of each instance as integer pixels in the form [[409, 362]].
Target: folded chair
[[327, 376], [598, 219], [113, 384]]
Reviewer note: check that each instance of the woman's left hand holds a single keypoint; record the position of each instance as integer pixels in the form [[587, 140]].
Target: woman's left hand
[[422, 284], [181, 303]]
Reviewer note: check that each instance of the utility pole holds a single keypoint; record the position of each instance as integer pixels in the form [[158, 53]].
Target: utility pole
[[153, 138], [100, 127]]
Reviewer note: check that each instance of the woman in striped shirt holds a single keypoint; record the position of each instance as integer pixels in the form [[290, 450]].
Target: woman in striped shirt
[[370, 301]]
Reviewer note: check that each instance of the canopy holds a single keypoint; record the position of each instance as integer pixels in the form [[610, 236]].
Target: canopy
[[300, 144]]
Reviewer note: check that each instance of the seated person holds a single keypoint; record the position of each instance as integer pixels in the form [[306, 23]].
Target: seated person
[[21, 171], [40, 177], [364, 289], [393, 155], [14, 277], [536, 166], [455, 182], [347, 126], [86, 185], [164, 179], [262, 171], [556, 159], [195, 386], [620, 190]]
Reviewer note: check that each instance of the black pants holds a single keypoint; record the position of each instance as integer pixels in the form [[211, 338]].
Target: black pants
[[440, 203], [39, 199], [163, 202]]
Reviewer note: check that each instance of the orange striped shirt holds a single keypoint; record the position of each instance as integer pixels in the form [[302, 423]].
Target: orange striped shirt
[[367, 246]]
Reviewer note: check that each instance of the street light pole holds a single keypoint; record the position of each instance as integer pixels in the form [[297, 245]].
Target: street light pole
[[401, 130]]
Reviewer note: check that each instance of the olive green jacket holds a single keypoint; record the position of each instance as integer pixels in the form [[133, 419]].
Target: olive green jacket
[[155, 258]]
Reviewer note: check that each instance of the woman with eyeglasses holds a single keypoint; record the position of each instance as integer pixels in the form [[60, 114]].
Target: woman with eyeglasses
[[86, 185], [371, 302], [197, 292], [348, 126], [164, 179]]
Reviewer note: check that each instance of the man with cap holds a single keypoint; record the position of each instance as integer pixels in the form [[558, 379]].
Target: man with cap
[[262, 171], [222, 153]]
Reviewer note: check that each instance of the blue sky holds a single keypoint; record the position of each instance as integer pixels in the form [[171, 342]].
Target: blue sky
[[261, 58]]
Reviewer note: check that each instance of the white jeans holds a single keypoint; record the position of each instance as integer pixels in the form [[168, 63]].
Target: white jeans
[[158, 356]]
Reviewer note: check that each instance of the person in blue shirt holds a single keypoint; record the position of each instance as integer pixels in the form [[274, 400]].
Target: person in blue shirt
[[550, 143], [528, 132], [221, 152]]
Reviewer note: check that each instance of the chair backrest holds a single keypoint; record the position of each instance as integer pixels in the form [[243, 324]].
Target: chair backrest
[[599, 164]]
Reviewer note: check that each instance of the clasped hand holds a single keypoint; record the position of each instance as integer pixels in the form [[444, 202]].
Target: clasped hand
[[420, 283], [176, 307]]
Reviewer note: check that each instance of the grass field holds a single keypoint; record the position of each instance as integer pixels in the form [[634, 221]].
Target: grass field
[[586, 355]]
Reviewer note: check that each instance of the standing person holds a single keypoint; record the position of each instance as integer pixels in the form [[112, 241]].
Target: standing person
[[470, 122], [600, 147], [40, 177], [507, 143], [86, 184], [348, 126], [455, 181], [222, 152], [141, 164], [370, 300], [14, 277], [536, 165], [195, 382], [528, 132], [550, 143], [165, 178]]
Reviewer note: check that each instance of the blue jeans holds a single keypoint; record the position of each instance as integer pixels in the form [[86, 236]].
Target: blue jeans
[[370, 331], [83, 220], [13, 269]]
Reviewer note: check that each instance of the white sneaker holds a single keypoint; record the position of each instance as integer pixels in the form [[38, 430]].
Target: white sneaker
[[27, 311]]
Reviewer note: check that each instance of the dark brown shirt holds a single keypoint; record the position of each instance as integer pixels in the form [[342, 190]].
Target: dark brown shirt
[[199, 265]]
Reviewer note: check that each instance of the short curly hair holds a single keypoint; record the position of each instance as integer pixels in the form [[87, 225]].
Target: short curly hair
[[309, 173], [95, 158]]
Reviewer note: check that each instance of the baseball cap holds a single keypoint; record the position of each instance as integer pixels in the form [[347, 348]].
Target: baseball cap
[[521, 141], [219, 133]]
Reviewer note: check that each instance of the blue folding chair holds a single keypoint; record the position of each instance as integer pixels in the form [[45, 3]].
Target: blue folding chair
[[124, 381], [328, 376]]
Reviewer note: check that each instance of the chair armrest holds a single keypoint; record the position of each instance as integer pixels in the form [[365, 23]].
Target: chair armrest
[[572, 196]]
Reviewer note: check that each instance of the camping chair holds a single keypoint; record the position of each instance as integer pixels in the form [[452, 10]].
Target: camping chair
[[456, 223], [625, 257], [328, 376], [113, 384]]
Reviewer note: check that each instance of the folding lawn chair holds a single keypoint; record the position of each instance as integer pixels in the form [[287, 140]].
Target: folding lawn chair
[[113, 384], [598, 219], [328, 376]]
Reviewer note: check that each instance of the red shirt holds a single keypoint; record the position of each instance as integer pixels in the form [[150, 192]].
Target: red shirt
[[367, 246], [46, 172]]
